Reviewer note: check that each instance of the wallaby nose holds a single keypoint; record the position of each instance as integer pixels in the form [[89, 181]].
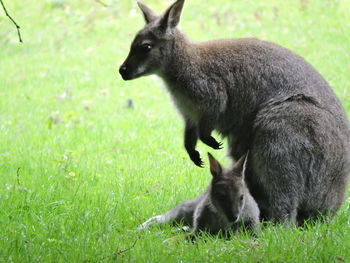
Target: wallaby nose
[[122, 70]]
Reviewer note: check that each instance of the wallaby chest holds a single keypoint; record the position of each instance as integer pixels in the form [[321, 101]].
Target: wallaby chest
[[185, 102]]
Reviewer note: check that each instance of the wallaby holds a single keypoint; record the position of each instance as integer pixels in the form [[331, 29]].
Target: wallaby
[[263, 98], [225, 206]]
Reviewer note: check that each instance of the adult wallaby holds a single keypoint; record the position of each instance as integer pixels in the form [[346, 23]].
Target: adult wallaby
[[263, 98], [225, 205]]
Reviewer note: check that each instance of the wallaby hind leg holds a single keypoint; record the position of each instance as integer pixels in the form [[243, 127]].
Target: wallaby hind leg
[[310, 217], [279, 207], [276, 175]]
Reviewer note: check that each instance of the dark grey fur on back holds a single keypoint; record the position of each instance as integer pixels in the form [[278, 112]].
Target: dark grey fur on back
[[263, 98]]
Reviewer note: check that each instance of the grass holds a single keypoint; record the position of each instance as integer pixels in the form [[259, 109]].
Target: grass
[[79, 170]]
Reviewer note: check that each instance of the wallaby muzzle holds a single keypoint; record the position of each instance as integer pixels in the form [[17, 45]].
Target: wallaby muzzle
[[123, 71]]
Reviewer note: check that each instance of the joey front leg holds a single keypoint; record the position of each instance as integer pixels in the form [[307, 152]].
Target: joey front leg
[[205, 127], [191, 138], [156, 220]]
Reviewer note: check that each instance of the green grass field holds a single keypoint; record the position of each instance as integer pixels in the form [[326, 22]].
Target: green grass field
[[79, 170]]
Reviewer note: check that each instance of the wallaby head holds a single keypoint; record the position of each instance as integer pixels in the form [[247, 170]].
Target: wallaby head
[[228, 190], [153, 45]]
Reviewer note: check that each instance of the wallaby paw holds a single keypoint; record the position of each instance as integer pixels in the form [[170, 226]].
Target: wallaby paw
[[153, 220], [142, 227], [211, 142], [200, 164], [219, 146], [196, 159], [186, 229]]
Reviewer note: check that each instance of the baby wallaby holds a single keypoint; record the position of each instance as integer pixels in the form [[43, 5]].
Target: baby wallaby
[[224, 206]]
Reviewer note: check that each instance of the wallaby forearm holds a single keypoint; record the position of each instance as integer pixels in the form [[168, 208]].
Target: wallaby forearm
[[190, 141], [205, 127], [203, 131]]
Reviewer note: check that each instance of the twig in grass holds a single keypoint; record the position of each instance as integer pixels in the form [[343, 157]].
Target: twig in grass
[[102, 3], [18, 175], [18, 186], [120, 252], [13, 21]]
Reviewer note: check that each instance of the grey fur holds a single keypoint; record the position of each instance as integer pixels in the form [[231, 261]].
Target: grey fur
[[224, 206], [263, 98]]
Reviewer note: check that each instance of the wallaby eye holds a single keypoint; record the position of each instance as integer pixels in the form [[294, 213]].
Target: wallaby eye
[[146, 47], [241, 197]]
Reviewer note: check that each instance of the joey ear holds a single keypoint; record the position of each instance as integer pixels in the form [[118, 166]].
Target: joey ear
[[171, 17], [148, 14], [240, 166], [215, 167]]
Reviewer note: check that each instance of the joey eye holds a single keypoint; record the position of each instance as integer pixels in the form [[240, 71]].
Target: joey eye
[[146, 47], [241, 197]]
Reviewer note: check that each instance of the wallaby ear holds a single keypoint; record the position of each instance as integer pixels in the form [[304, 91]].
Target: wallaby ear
[[240, 166], [215, 167], [148, 14], [171, 17]]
